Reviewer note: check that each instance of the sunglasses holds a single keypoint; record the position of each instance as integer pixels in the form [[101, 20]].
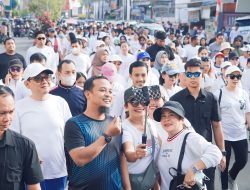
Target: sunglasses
[[235, 58], [195, 74], [232, 76], [204, 59], [41, 38], [136, 103], [149, 44], [40, 78], [172, 76], [13, 69]]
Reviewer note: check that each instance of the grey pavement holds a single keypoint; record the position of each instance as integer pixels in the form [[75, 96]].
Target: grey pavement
[[243, 178]]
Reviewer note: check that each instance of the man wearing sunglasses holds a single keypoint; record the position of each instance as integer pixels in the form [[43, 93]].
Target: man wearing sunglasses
[[40, 47], [14, 76], [202, 111], [42, 117], [8, 55]]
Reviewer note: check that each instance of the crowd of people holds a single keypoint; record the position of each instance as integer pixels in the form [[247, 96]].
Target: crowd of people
[[114, 107]]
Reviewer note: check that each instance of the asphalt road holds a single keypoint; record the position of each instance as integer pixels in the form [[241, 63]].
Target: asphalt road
[[243, 179]]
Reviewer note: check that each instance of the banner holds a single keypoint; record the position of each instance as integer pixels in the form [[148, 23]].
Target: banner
[[74, 4]]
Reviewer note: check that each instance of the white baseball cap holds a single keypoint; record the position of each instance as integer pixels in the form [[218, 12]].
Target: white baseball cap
[[232, 69], [35, 69], [225, 64], [115, 57], [99, 43]]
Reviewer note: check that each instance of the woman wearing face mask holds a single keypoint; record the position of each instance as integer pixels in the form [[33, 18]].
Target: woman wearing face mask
[[101, 57], [235, 115]]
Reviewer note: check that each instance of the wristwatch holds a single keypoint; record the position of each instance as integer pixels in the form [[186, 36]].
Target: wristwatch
[[195, 170], [107, 138], [224, 153]]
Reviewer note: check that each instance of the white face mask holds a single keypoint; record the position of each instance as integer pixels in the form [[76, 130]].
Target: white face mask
[[69, 80], [75, 51]]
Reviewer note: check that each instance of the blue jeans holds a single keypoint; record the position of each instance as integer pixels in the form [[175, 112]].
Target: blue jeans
[[54, 184]]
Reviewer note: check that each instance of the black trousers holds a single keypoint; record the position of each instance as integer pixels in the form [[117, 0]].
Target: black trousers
[[240, 149], [210, 173]]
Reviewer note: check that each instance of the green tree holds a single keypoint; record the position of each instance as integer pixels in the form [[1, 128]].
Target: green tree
[[51, 7]]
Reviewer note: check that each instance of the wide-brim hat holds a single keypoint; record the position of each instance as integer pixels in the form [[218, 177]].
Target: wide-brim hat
[[226, 45], [174, 106]]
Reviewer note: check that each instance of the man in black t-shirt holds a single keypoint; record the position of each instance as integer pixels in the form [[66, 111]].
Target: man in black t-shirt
[[8, 55]]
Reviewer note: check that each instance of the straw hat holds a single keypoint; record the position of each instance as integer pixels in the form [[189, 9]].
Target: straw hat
[[226, 45]]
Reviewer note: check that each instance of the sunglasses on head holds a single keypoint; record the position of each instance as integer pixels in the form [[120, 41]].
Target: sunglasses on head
[[40, 78], [195, 74], [13, 69], [41, 38], [232, 76], [136, 103]]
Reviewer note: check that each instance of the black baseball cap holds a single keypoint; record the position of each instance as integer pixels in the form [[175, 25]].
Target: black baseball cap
[[174, 106], [15, 62], [232, 55]]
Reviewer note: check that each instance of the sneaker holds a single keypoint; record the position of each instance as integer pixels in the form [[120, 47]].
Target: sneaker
[[232, 183]]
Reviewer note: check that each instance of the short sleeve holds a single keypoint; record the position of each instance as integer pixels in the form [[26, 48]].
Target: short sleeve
[[247, 101], [73, 136], [32, 169], [215, 115]]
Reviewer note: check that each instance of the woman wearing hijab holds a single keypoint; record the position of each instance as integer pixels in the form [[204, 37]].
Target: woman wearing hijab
[[100, 58], [161, 59]]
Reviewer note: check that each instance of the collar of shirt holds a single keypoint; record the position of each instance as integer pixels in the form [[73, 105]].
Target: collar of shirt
[[202, 93], [7, 139]]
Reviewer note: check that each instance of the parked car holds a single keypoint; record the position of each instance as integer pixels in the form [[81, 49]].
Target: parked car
[[244, 28]]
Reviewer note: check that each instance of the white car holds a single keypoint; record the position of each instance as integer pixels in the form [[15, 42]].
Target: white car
[[244, 28], [152, 27]]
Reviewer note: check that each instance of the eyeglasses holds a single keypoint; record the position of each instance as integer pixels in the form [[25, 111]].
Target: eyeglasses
[[40, 78], [41, 38], [195, 74], [13, 69], [172, 76], [149, 44], [136, 103], [232, 76]]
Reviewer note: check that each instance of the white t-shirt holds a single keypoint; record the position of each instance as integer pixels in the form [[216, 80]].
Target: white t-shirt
[[82, 62], [234, 106], [126, 61], [243, 61], [245, 80], [43, 122], [133, 135], [191, 52], [196, 148], [48, 52], [173, 91]]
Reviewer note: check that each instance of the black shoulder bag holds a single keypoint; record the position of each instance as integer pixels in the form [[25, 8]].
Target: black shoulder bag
[[177, 181]]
